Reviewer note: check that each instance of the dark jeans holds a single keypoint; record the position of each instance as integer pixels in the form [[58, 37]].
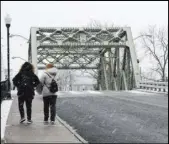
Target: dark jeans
[[49, 101], [28, 101]]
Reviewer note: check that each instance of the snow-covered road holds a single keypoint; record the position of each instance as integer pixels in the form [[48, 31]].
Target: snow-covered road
[[116, 117]]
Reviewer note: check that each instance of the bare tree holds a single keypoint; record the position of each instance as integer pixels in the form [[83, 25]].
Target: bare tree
[[98, 24], [157, 48]]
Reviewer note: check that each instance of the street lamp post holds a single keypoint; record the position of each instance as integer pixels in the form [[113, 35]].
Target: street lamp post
[[8, 24], [17, 35]]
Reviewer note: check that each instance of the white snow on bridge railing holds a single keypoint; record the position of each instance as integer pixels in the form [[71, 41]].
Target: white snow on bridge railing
[[154, 86]]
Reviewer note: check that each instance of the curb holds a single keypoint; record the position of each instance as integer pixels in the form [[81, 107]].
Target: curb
[[73, 131]]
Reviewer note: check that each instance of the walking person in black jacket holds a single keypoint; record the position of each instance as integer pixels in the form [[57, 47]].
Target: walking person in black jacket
[[26, 81]]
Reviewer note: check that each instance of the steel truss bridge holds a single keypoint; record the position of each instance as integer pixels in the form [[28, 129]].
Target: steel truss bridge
[[109, 52]]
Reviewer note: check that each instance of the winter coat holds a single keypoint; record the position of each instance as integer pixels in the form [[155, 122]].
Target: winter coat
[[28, 91], [46, 81]]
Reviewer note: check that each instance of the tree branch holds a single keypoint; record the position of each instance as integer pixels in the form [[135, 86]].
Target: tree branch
[[157, 46]]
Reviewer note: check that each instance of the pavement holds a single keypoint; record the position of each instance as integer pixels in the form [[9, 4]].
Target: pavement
[[37, 132], [116, 117], [5, 108], [97, 117]]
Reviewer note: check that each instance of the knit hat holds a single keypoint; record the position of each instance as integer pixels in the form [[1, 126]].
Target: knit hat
[[49, 66]]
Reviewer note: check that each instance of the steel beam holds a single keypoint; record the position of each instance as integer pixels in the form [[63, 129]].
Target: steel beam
[[112, 69], [123, 70], [59, 53], [64, 67], [130, 44], [128, 72], [83, 46], [118, 68], [79, 45], [104, 71], [34, 48]]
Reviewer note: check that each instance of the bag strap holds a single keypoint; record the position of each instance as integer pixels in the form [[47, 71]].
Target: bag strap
[[45, 82], [50, 76]]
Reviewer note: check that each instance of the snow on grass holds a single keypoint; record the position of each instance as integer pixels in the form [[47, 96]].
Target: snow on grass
[[140, 92], [75, 92], [60, 93], [85, 92], [5, 109], [94, 92], [147, 92]]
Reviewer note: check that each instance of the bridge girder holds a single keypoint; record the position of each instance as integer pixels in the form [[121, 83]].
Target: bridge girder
[[111, 51]]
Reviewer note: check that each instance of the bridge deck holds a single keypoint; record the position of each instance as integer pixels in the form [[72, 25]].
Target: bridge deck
[[36, 132], [98, 116]]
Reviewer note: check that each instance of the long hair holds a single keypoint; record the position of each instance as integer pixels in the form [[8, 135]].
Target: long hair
[[27, 67]]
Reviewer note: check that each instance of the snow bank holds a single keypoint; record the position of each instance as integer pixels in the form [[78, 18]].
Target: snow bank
[[75, 92], [139, 92], [5, 109], [94, 92]]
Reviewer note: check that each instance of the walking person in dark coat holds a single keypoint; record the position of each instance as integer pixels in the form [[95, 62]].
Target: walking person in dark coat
[[26, 81]]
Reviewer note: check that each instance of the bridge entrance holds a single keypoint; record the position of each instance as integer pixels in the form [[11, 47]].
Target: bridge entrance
[[109, 53]]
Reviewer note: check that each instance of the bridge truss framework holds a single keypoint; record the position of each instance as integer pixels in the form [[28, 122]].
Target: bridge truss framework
[[109, 52]]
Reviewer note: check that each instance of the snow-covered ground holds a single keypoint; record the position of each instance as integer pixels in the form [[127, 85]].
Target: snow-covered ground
[[5, 109], [140, 92], [109, 92], [85, 92], [75, 92], [133, 95], [94, 92], [148, 91]]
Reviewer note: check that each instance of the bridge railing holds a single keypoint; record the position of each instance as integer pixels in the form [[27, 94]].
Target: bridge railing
[[4, 90], [154, 86]]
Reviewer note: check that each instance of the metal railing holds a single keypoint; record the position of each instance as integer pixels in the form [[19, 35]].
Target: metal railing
[[4, 90], [154, 86]]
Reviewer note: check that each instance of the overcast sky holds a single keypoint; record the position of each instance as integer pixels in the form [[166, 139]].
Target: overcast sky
[[137, 15]]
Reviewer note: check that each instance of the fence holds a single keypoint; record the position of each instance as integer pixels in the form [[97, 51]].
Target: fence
[[154, 86], [4, 90]]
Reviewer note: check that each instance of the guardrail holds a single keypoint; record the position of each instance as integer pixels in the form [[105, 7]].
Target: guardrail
[[154, 86], [4, 90]]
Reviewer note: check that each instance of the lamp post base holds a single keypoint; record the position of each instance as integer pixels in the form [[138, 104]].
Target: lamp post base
[[8, 96]]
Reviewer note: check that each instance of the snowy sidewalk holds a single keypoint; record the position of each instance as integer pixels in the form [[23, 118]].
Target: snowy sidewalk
[[5, 108], [37, 132]]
